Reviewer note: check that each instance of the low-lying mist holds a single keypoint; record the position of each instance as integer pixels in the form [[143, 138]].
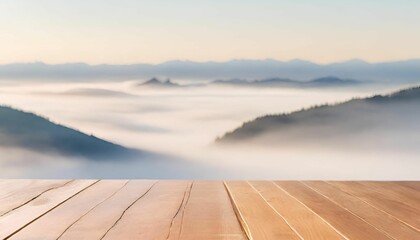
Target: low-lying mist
[[181, 126]]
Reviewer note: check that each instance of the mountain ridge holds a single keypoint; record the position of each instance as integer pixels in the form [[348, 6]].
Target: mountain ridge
[[404, 70], [398, 110], [156, 83], [329, 81], [27, 130]]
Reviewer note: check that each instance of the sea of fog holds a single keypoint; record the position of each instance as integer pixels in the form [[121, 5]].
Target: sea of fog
[[183, 124]]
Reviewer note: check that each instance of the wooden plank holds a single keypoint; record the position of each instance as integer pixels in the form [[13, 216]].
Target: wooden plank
[[395, 192], [342, 220], [399, 210], [308, 224], [11, 186], [410, 184], [97, 222], [16, 220], [54, 223], [379, 219], [151, 217], [26, 191], [258, 218], [208, 214], [8, 186], [177, 221]]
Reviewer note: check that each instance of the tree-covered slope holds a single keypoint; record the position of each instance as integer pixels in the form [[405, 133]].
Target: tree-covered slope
[[26, 130], [390, 114]]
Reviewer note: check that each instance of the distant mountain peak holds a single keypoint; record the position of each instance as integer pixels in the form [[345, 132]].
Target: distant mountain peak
[[155, 82]]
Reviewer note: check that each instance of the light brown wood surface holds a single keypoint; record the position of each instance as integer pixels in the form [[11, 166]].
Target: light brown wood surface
[[55, 222], [342, 220], [97, 222], [409, 184], [9, 186], [260, 221], [209, 214], [208, 210], [395, 192], [308, 224], [14, 195], [398, 209], [152, 216], [381, 220], [21, 217]]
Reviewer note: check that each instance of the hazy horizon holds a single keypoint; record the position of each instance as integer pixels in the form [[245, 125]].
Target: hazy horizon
[[172, 60], [127, 31]]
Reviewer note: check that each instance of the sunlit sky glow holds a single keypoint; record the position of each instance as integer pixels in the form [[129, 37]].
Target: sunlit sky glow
[[136, 31]]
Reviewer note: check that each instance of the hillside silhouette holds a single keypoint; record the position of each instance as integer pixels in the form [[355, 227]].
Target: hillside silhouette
[[385, 115], [26, 130]]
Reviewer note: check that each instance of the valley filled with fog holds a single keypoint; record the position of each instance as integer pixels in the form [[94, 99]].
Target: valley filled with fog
[[181, 126]]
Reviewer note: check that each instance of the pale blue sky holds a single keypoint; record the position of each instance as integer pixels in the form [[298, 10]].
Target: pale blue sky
[[129, 31]]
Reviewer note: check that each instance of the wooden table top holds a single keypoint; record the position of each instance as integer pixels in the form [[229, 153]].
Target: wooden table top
[[166, 209]]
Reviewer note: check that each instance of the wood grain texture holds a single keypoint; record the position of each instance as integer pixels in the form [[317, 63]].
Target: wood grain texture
[[189, 210], [344, 221], [177, 221], [55, 222], [379, 219], [410, 184], [260, 221], [97, 222], [23, 216], [14, 195], [8, 186], [208, 214], [151, 217], [398, 209], [395, 192], [308, 224]]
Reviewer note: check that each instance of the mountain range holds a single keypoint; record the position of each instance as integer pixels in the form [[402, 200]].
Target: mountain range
[[264, 83], [288, 83], [392, 119], [401, 71]]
